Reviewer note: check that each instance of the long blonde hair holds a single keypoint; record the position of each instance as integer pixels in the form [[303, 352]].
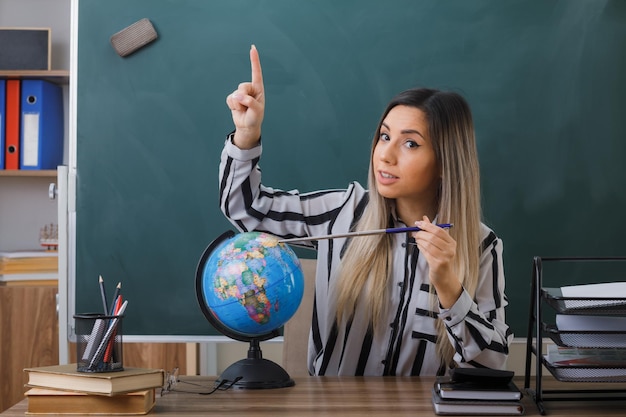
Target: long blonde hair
[[365, 269]]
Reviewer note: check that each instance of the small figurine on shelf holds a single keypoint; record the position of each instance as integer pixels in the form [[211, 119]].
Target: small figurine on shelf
[[49, 236]]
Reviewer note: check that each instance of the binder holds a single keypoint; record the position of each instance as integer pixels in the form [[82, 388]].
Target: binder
[[2, 117], [12, 132], [41, 141]]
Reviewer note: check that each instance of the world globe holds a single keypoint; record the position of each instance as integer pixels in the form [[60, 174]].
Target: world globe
[[248, 286]]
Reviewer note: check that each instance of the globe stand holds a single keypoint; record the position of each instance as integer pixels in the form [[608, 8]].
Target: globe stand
[[255, 372]]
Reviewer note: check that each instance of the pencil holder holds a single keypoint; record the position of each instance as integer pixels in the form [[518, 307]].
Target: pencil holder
[[98, 342]]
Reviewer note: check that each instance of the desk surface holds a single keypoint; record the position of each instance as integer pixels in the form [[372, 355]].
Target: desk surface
[[331, 396]]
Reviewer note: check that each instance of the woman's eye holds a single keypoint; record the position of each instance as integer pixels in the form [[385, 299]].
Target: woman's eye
[[384, 137], [411, 144]]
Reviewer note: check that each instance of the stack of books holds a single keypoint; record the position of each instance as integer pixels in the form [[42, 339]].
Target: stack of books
[[61, 389], [34, 266], [477, 392]]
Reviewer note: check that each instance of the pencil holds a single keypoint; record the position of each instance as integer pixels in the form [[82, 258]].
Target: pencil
[[362, 233], [103, 293], [115, 295]]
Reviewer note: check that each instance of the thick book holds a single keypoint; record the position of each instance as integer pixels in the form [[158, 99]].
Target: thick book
[[45, 401], [475, 407], [475, 391], [28, 261], [67, 378]]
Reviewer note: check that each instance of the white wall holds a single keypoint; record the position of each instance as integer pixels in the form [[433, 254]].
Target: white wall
[[53, 14]]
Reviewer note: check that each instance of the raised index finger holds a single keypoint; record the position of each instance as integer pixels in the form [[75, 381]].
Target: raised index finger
[[257, 74]]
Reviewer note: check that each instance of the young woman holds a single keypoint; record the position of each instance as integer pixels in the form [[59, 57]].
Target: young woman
[[387, 304]]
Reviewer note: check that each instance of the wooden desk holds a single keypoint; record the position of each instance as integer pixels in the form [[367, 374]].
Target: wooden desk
[[330, 396]]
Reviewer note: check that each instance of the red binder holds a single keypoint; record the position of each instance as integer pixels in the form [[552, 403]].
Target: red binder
[[12, 137]]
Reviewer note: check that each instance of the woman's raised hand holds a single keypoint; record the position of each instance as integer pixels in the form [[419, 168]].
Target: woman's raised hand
[[247, 105]]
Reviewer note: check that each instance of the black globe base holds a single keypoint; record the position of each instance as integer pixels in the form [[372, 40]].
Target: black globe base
[[254, 372]]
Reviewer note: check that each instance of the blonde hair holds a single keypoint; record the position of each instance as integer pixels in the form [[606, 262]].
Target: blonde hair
[[365, 269]]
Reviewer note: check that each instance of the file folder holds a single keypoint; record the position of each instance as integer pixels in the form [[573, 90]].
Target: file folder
[[12, 132], [3, 96], [41, 144]]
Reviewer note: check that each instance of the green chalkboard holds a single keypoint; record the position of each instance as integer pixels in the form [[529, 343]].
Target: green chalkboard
[[545, 78]]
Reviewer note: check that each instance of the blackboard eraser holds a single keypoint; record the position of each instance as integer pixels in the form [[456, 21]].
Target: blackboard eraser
[[135, 36]]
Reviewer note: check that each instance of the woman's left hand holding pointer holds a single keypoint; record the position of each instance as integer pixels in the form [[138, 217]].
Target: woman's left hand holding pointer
[[439, 249]]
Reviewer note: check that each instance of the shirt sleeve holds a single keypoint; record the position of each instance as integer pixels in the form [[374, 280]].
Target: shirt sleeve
[[250, 205], [476, 327]]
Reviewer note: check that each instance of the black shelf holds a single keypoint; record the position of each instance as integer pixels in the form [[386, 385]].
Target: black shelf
[[538, 328]]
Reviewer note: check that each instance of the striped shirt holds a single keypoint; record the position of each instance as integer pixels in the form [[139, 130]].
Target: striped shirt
[[475, 326]]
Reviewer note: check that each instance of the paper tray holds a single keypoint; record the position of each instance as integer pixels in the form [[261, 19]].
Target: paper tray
[[576, 305], [586, 338], [585, 374]]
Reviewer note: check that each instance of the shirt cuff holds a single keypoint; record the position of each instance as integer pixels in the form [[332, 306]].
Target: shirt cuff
[[456, 314], [241, 154]]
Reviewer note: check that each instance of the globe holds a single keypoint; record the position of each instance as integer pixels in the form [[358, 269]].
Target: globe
[[248, 286]]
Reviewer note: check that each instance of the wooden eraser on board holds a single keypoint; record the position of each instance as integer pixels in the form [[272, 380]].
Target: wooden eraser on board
[[135, 36]]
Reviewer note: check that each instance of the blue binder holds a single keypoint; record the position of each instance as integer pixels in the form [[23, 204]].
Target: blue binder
[[41, 133], [3, 95]]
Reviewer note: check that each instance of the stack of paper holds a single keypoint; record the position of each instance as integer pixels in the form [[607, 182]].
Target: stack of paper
[[590, 357], [595, 295], [592, 331], [576, 364]]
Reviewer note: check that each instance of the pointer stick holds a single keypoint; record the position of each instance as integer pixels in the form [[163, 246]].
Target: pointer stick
[[361, 233]]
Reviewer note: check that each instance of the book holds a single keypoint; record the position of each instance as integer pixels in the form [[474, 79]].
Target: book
[[475, 407], [46, 401], [473, 391], [28, 261], [67, 378], [35, 278]]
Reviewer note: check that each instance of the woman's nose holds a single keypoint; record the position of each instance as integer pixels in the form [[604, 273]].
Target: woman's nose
[[386, 154]]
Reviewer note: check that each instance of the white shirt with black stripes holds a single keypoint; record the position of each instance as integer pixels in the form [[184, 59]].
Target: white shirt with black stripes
[[476, 326]]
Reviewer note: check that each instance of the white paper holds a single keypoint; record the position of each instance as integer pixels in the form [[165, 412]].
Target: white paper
[[587, 293], [576, 323]]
